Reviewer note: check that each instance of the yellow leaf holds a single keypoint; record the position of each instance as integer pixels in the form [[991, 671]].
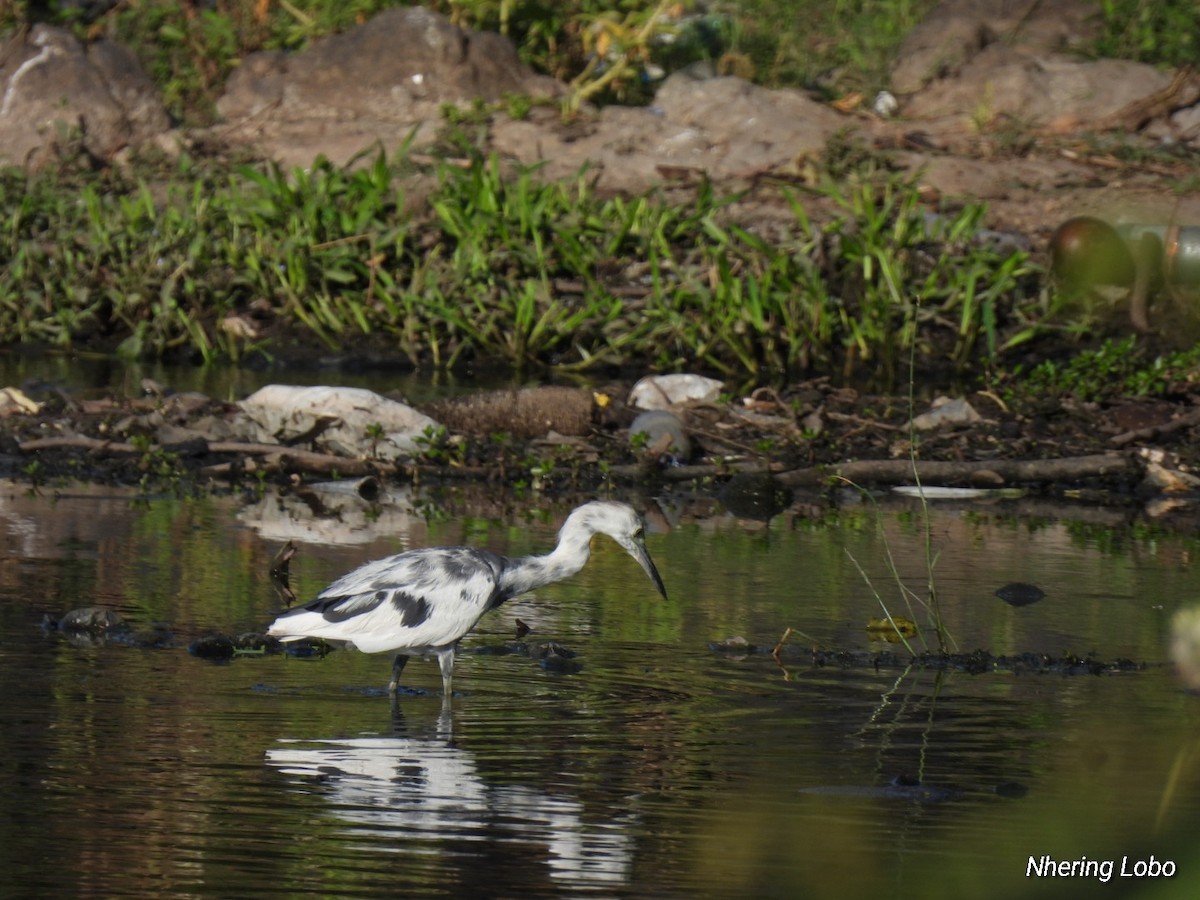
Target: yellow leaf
[[883, 630]]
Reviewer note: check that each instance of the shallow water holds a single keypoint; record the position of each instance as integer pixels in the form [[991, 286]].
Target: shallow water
[[660, 769]]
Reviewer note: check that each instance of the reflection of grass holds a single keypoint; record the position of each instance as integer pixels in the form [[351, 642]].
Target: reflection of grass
[[928, 602]]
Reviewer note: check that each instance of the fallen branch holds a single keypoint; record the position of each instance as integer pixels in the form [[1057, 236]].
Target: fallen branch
[[900, 471], [1151, 432], [277, 457], [77, 442], [905, 471]]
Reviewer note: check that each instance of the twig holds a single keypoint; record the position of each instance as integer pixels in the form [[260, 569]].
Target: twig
[[1151, 432]]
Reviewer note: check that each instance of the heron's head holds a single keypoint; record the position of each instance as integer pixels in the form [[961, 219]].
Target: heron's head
[[621, 523]]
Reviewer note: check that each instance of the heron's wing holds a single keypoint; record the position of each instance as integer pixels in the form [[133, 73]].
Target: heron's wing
[[422, 598], [417, 571]]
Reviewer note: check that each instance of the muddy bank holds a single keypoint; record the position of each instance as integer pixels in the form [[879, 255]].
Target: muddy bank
[[999, 103], [758, 454]]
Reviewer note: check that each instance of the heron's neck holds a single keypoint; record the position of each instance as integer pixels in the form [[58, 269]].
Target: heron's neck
[[531, 572]]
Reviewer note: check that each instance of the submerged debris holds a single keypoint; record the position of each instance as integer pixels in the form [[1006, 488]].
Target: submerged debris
[[975, 663], [1018, 593], [222, 647], [93, 626]]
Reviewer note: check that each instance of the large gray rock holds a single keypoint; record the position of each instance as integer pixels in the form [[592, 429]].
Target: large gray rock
[[1039, 91], [371, 84], [973, 63], [57, 90], [955, 31], [726, 128]]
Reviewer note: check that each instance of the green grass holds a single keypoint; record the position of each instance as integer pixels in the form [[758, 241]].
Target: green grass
[[504, 268]]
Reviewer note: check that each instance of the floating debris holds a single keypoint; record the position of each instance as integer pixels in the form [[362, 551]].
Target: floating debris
[[91, 619], [894, 630]]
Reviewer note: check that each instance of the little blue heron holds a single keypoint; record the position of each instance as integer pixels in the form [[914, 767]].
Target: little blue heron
[[422, 602]]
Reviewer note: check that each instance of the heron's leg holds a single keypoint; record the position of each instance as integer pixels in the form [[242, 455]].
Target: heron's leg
[[446, 663], [397, 668]]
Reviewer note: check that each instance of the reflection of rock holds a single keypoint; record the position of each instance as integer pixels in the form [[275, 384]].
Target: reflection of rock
[[93, 619], [412, 790], [1185, 646], [56, 90], [755, 496], [330, 517]]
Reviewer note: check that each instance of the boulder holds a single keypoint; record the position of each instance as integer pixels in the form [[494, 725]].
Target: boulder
[[57, 91], [346, 421], [373, 84]]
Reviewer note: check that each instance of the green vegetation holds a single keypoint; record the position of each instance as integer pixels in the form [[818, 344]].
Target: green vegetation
[[1153, 31], [213, 261], [503, 268], [1117, 368]]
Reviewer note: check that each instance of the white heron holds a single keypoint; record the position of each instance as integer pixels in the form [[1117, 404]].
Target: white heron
[[423, 601]]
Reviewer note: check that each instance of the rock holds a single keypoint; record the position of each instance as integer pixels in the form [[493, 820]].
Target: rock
[[334, 419], [372, 84], [946, 412], [660, 433], [14, 402], [1058, 92], [726, 128], [1085, 251], [56, 91], [956, 31], [91, 626], [665, 391]]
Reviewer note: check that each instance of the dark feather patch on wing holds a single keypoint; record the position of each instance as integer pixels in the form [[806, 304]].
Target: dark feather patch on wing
[[339, 609], [413, 610]]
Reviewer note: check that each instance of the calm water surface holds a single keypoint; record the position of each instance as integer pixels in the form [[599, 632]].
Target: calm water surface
[[660, 769]]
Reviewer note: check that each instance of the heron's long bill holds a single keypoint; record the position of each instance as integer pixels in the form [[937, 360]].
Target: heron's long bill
[[638, 552]]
